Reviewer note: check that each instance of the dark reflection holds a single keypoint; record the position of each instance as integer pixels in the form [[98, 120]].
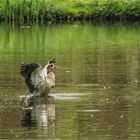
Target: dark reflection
[[40, 113], [27, 119]]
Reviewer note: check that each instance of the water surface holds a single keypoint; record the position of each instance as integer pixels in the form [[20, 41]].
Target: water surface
[[97, 82]]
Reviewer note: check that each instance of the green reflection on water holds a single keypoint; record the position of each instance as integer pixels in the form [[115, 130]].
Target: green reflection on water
[[97, 92]]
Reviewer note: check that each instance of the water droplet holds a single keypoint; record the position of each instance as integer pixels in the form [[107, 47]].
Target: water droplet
[[16, 136], [67, 71], [107, 99]]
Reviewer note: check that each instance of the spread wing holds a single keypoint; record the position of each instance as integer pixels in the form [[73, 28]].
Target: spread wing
[[37, 78], [32, 75]]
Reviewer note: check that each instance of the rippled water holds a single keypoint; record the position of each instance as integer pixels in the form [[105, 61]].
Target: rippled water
[[97, 82]]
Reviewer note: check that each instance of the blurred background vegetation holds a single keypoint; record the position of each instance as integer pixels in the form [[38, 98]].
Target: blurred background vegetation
[[28, 11]]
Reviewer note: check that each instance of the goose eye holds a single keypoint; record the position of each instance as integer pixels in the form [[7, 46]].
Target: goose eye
[[51, 65]]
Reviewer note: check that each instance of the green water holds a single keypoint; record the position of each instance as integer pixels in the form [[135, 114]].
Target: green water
[[97, 82]]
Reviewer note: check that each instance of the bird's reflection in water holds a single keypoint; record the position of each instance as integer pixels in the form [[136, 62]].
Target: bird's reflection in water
[[40, 113]]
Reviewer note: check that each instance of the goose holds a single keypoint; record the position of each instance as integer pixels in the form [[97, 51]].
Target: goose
[[38, 80]]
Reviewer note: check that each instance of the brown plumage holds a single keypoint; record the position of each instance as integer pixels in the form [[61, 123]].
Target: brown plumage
[[49, 84], [39, 81]]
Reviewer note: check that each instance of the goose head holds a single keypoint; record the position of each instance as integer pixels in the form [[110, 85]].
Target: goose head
[[51, 65]]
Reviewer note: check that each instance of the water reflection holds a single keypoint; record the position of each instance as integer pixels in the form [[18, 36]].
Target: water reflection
[[98, 74], [99, 54], [41, 113]]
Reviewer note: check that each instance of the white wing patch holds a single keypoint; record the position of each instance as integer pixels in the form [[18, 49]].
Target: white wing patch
[[40, 79], [37, 78]]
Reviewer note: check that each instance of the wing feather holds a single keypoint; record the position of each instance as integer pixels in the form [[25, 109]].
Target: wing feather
[[37, 78], [26, 71]]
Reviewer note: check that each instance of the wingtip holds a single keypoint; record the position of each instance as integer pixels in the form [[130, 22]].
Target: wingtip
[[52, 60], [21, 63]]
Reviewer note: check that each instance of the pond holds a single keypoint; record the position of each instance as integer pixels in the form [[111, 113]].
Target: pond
[[97, 81]]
